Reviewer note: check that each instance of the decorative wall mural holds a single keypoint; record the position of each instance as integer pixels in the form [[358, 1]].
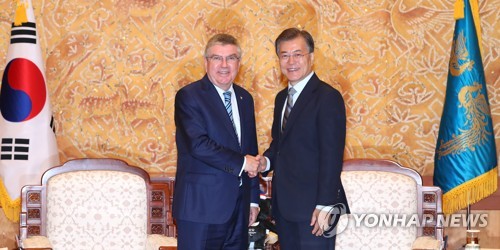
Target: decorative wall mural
[[113, 68]]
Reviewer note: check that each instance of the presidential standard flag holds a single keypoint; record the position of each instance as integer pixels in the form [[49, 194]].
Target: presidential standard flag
[[28, 143], [465, 160]]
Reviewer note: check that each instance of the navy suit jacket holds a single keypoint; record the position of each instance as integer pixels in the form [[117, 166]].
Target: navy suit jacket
[[307, 157], [209, 157]]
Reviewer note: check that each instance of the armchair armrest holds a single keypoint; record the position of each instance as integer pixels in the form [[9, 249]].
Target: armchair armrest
[[36, 248], [160, 242], [34, 243], [426, 243]]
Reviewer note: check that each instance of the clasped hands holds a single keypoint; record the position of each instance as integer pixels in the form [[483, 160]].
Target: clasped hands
[[254, 165]]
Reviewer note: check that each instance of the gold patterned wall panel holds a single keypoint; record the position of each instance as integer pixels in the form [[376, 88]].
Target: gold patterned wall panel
[[113, 68]]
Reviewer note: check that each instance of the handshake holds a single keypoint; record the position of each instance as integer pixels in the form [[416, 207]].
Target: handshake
[[254, 165]]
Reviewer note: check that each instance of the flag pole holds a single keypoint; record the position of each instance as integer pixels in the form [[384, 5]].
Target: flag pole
[[468, 216], [468, 210]]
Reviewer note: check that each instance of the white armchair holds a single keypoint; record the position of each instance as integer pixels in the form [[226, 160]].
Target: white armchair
[[96, 204], [379, 188]]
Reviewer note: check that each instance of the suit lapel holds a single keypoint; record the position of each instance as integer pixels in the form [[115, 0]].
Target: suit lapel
[[241, 108], [215, 102], [304, 98], [280, 103]]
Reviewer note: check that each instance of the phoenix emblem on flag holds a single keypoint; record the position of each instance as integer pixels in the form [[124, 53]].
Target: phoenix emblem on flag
[[477, 114], [459, 59]]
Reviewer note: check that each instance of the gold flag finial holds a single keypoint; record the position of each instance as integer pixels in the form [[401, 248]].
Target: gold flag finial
[[460, 13], [459, 9], [20, 16], [474, 5]]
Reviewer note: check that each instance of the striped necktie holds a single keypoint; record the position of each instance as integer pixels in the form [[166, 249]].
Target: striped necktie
[[229, 108], [289, 106]]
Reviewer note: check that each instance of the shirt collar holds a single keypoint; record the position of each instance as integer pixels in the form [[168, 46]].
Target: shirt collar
[[302, 84], [221, 91]]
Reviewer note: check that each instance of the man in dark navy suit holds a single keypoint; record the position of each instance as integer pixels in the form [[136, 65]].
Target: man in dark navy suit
[[216, 195], [306, 152]]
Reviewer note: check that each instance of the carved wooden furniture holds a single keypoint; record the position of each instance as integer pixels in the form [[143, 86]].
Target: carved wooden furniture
[[96, 204]]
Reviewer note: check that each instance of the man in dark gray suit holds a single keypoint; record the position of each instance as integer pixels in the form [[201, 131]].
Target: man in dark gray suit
[[306, 152]]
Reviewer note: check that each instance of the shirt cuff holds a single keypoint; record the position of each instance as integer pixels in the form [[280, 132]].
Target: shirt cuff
[[268, 164], [254, 205], [243, 167], [320, 207]]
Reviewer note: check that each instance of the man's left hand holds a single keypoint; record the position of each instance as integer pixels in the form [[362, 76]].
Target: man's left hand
[[319, 220]]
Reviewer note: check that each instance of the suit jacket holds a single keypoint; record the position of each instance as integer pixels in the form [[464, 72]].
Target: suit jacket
[[209, 157], [307, 156]]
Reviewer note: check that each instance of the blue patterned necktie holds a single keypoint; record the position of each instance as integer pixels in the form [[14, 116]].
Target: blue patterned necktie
[[229, 108], [289, 106]]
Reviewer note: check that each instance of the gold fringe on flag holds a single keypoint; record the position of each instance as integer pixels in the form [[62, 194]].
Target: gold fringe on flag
[[470, 192], [11, 208], [20, 16]]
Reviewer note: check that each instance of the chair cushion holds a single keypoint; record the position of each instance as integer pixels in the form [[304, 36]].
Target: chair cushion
[[378, 193], [97, 210], [426, 243], [36, 242], [155, 241]]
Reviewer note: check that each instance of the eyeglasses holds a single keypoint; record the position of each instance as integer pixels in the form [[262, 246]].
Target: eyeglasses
[[218, 59], [295, 56]]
